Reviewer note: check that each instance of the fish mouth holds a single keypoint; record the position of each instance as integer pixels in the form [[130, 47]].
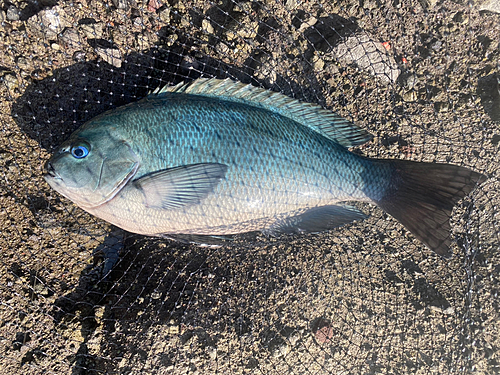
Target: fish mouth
[[50, 171]]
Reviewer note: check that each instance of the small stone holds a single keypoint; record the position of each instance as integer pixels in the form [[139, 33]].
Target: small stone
[[411, 81], [291, 4], [93, 30], [441, 106], [318, 63], [23, 63], [3, 16], [430, 3], [144, 41], [369, 55], [207, 26], [55, 46], [110, 55], [49, 22], [121, 4], [79, 56], [245, 30], [189, 62], [13, 13], [138, 23], [41, 289], [171, 39], [10, 80], [212, 352], [155, 295], [310, 22], [490, 6], [71, 38], [222, 48], [173, 330], [410, 96], [294, 338], [324, 334], [281, 350], [154, 5], [165, 15], [249, 31], [21, 339], [99, 312]]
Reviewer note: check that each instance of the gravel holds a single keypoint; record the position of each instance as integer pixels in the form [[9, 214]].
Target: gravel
[[367, 298]]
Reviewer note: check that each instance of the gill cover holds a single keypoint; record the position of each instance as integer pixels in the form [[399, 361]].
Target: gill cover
[[91, 168]]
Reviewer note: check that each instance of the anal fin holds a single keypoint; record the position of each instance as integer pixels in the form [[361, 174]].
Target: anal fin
[[317, 219]]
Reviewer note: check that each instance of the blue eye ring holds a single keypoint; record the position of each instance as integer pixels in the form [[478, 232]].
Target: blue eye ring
[[80, 150]]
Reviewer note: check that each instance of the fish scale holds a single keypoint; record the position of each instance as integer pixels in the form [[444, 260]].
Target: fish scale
[[217, 157]]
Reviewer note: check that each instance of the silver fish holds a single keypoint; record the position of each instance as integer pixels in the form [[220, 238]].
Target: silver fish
[[217, 157]]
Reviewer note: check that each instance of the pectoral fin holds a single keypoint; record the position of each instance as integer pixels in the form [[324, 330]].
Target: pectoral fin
[[318, 219], [180, 186]]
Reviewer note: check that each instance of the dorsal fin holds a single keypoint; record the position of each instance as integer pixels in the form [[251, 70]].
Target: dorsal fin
[[325, 122]]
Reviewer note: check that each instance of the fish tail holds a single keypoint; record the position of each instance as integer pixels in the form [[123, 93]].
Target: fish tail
[[421, 196]]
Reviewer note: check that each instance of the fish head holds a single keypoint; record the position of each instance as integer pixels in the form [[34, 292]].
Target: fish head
[[92, 166]]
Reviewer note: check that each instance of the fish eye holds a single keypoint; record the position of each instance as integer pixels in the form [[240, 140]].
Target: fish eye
[[80, 150]]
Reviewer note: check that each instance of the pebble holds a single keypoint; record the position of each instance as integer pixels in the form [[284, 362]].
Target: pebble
[[10, 80], [49, 22], [489, 5], [23, 63], [3, 16], [411, 81], [154, 5], [138, 22], [13, 14], [430, 3], [165, 15], [93, 30], [121, 4], [410, 96], [212, 352], [71, 39], [172, 38], [368, 54], [79, 56], [441, 106], [310, 22], [318, 63], [291, 4], [207, 26], [110, 55]]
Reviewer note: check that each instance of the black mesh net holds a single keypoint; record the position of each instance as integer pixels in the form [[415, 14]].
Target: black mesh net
[[367, 298]]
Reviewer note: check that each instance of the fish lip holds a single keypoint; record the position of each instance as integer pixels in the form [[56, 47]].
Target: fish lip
[[50, 171]]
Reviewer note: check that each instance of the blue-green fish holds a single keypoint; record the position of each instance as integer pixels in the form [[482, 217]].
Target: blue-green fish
[[217, 157]]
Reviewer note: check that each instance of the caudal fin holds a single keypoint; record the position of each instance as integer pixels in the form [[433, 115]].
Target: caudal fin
[[422, 196]]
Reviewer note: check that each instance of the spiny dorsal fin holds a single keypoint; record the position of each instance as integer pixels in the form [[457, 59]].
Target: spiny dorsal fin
[[325, 122]]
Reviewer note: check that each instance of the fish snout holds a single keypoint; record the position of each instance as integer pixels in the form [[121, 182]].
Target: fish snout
[[50, 171]]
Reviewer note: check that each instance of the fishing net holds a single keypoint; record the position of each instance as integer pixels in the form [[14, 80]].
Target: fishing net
[[367, 298]]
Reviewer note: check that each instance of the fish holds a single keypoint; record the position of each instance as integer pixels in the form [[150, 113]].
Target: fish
[[215, 158]]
